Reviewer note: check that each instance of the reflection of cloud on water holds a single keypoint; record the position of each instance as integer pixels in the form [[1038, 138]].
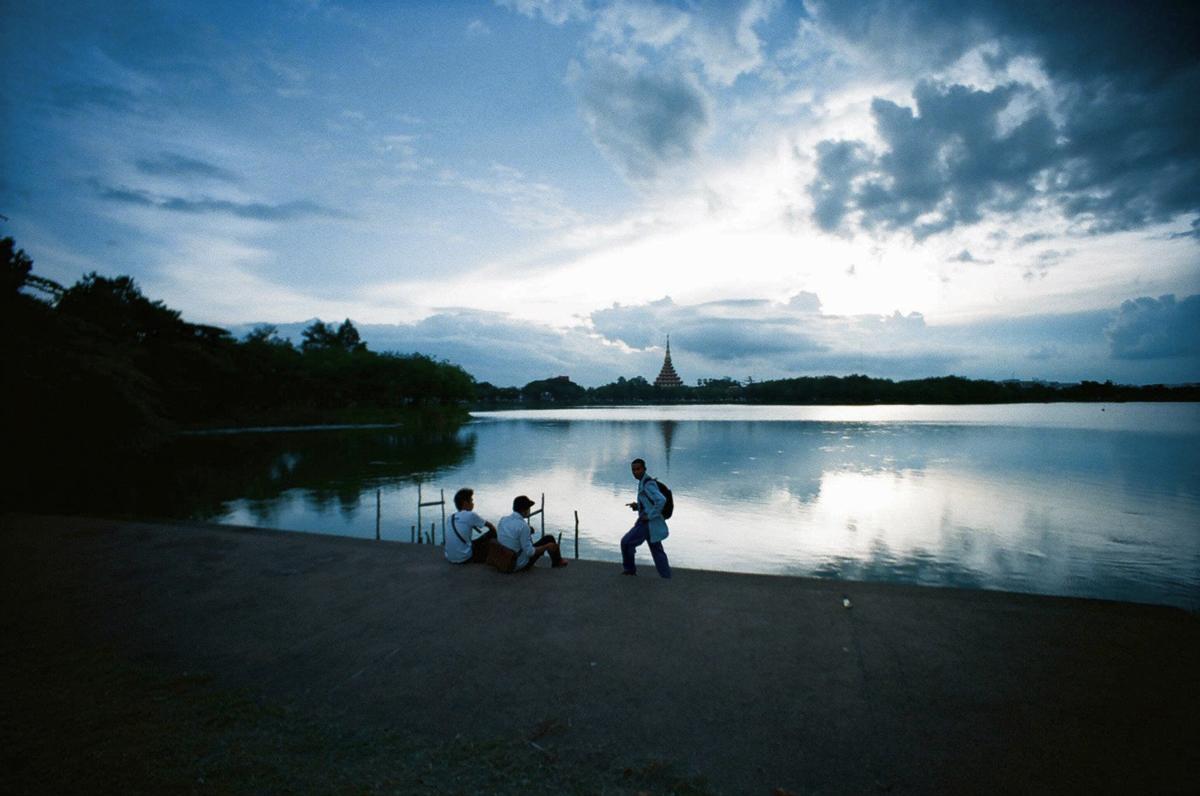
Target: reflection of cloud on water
[[918, 567], [1020, 508]]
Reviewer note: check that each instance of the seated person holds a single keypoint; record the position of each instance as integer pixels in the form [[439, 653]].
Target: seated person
[[514, 533], [460, 548]]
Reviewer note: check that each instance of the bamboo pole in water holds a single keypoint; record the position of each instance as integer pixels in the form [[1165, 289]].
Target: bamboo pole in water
[[377, 514], [577, 535]]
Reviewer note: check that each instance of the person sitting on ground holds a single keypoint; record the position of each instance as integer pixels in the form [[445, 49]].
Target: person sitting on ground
[[514, 533], [460, 547]]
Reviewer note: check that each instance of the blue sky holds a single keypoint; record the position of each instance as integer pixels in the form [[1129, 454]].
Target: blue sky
[[540, 188]]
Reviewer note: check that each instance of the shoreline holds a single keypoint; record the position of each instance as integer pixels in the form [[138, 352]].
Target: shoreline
[[846, 583], [739, 682]]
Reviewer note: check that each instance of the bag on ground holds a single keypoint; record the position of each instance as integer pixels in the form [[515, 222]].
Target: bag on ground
[[501, 557]]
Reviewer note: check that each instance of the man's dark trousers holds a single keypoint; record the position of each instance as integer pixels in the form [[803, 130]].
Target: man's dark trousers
[[639, 533]]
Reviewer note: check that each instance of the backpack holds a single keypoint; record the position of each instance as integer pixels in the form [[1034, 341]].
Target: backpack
[[669, 507]]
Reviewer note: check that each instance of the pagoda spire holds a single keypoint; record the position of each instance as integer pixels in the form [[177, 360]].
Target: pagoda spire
[[667, 377]]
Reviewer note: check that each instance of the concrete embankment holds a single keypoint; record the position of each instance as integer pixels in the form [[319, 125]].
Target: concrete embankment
[[750, 682]]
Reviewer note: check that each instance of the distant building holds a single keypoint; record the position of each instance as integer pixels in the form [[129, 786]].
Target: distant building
[[667, 377]]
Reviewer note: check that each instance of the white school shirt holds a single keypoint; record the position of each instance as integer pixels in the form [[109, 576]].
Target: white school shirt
[[458, 551], [513, 533]]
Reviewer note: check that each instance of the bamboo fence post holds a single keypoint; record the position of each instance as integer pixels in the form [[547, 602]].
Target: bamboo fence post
[[433, 525], [576, 534]]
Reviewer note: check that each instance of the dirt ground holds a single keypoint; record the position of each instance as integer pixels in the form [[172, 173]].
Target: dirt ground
[[156, 657]]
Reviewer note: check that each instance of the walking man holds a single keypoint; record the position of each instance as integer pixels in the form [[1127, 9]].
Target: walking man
[[650, 526]]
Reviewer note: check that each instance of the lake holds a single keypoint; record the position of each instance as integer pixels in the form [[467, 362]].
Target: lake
[[1093, 500]]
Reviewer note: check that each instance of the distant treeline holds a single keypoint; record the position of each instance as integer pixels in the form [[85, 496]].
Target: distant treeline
[[827, 390], [99, 369]]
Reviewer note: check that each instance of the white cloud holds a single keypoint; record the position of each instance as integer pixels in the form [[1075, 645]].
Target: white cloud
[[211, 279], [556, 12], [524, 203]]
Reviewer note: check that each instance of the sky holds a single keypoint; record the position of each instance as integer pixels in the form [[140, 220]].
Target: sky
[[533, 188]]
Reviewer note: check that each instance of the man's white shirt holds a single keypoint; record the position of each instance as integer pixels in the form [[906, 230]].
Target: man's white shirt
[[513, 532], [458, 551]]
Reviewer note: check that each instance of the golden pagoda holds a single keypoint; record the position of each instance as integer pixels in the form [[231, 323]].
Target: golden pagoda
[[667, 377]]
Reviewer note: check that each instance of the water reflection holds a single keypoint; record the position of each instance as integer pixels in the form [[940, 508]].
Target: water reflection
[[1048, 503], [199, 476], [1028, 507]]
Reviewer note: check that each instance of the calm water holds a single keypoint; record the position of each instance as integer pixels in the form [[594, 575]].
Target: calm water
[[1076, 499]]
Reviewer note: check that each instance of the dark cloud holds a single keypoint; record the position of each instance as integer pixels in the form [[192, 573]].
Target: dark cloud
[[721, 331], [259, 211], [1193, 232], [1045, 352], [128, 196], [1119, 153], [643, 121], [965, 256], [1149, 328], [838, 164], [945, 164], [1150, 40], [170, 164]]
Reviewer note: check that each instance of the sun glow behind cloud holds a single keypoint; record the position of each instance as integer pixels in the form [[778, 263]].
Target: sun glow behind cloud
[[537, 163]]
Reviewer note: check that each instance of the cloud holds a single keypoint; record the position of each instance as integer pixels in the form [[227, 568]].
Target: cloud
[[556, 12], [1192, 232], [639, 83], [1044, 261], [498, 348], [1149, 328], [258, 211], [765, 339], [1045, 352], [839, 163], [719, 37], [944, 164], [524, 203], [170, 164], [643, 120], [1099, 128], [965, 256], [1115, 38], [728, 51], [749, 331], [477, 27], [805, 302]]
